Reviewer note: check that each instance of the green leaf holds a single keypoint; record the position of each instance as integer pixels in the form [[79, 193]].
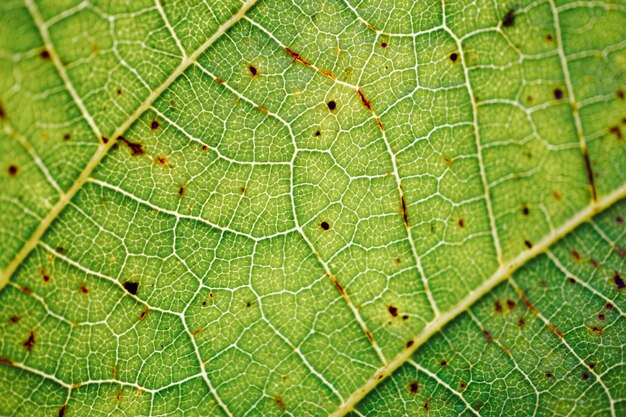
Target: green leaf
[[312, 208]]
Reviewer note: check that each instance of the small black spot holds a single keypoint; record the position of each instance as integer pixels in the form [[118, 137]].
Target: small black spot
[[414, 387], [498, 306], [549, 374], [119, 91], [62, 410], [332, 105], [601, 317], [619, 281], [317, 133], [528, 244], [131, 287], [620, 94], [154, 125], [66, 136], [383, 44], [409, 344], [454, 56], [619, 220], [325, 225], [45, 54], [405, 317], [549, 37], [585, 376], [509, 19], [461, 223], [609, 306], [558, 93], [248, 304], [393, 311], [253, 70], [525, 210], [572, 280], [12, 170], [443, 363]]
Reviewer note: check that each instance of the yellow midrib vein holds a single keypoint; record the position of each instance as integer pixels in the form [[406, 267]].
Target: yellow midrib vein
[[505, 271], [65, 198]]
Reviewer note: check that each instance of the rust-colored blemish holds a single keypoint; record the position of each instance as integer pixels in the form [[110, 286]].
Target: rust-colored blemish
[[372, 28], [369, 336], [364, 100], [597, 330], [45, 275], [280, 403], [118, 397], [30, 342], [162, 160], [198, 331], [327, 74], [26, 290], [181, 190], [590, 176], [297, 57], [219, 80], [338, 285], [84, 289], [380, 124], [135, 148], [263, 109], [62, 410], [144, 313], [488, 335], [532, 308], [615, 130], [405, 216], [6, 361]]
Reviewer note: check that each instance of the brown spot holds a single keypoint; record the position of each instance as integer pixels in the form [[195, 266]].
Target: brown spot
[[327, 74], [364, 100], [405, 317], [510, 304], [619, 281], [248, 304], [380, 124], [62, 410], [558, 93], [462, 385], [572, 280], [413, 387], [592, 365], [556, 196], [498, 306], [594, 262], [154, 125], [601, 317], [525, 210], [369, 336], [398, 261], [67, 136], [324, 225], [620, 94], [426, 406], [26, 290], [44, 275], [585, 376], [211, 295], [252, 70], [409, 344], [332, 105], [44, 54], [528, 244], [144, 313], [119, 91], [12, 170], [488, 335], [84, 289], [509, 19], [555, 330], [14, 319], [619, 220], [597, 330], [338, 285], [549, 37], [615, 130], [135, 148], [317, 133], [549, 374], [104, 140], [609, 306], [529, 99], [393, 311], [620, 250], [118, 397], [161, 160], [405, 216], [576, 255], [297, 57], [181, 190], [454, 56], [280, 403], [443, 363], [372, 28], [28, 344], [131, 287], [383, 44], [219, 80], [3, 115], [592, 184], [461, 223], [6, 361], [263, 109], [205, 147]]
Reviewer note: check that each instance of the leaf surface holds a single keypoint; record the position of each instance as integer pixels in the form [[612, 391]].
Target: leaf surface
[[275, 208]]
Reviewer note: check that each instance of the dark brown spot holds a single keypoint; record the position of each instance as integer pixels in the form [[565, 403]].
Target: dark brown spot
[[462, 385], [317, 133], [413, 387], [119, 91], [383, 44], [576, 255], [601, 317], [454, 56], [585, 376], [252, 70], [364, 100], [280, 403], [615, 130], [296, 57], [592, 365], [205, 147], [405, 317], [443, 363], [324, 225], [393, 311], [144, 313], [12, 170], [461, 223], [549, 37], [62, 410], [426, 406], [371, 339], [398, 261], [509, 19], [211, 295], [14, 319], [3, 115], [405, 215], [597, 330], [248, 304], [510, 304], [409, 344], [44, 54], [620, 94], [131, 287], [619, 220], [181, 191], [549, 374], [497, 306], [609, 306], [521, 322], [528, 244], [30, 342], [204, 302], [332, 105], [104, 140], [5, 360], [558, 93], [529, 99], [525, 210], [556, 195], [44, 275], [135, 148], [67, 136], [488, 335], [84, 289], [154, 125], [161, 160], [572, 280], [594, 262], [619, 281]]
